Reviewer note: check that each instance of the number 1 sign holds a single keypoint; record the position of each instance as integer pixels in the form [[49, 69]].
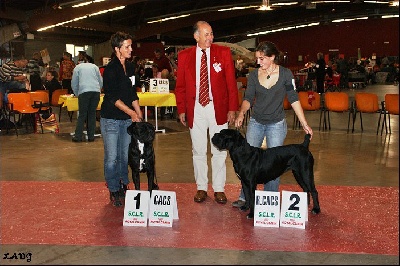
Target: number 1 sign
[[136, 210]]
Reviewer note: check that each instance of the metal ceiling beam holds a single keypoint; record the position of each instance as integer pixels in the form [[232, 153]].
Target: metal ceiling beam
[[40, 20]]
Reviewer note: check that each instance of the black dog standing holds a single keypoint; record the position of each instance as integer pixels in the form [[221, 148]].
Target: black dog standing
[[257, 166], [141, 153]]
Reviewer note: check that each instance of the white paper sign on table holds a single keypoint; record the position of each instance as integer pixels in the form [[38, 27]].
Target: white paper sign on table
[[294, 209], [266, 208], [159, 86], [163, 208], [136, 211]]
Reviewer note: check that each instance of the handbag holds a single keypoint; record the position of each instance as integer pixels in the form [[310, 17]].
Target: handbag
[[48, 122]]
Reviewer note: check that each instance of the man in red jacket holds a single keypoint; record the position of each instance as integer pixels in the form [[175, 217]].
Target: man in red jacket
[[210, 111]]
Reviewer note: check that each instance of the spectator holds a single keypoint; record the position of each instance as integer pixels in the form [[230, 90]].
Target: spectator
[[66, 69], [171, 58], [86, 84], [161, 61], [51, 84], [13, 77], [239, 66], [33, 67], [320, 72]]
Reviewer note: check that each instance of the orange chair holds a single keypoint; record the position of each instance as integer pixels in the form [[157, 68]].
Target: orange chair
[[40, 99], [21, 104], [335, 102], [54, 100], [390, 106], [310, 102], [365, 103]]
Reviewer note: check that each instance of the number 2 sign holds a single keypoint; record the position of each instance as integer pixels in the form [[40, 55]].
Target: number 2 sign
[[294, 209]]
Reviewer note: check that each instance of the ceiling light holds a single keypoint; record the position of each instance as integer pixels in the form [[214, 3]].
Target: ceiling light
[[265, 6], [168, 18], [88, 3]]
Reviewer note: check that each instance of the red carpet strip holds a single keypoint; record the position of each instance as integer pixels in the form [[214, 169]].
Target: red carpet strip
[[352, 220]]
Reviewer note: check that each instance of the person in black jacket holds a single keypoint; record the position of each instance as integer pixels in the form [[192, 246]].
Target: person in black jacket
[[119, 109], [51, 84], [320, 72]]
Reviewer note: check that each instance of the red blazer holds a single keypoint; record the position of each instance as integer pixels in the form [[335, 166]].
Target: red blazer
[[222, 78]]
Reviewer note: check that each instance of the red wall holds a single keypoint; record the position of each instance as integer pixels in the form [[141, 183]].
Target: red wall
[[368, 35], [146, 49]]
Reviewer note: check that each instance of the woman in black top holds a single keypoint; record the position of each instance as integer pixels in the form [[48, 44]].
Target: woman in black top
[[51, 84], [119, 109]]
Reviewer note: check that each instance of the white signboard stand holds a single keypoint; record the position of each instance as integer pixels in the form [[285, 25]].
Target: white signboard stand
[[294, 211], [163, 208], [136, 210], [159, 86], [266, 208]]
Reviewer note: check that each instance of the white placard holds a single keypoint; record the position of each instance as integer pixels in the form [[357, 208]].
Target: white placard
[[136, 211], [266, 208], [159, 86], [294, 209], [163, 208]]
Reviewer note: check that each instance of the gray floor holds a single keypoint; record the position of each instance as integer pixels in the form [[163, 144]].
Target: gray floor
[[341, 158]]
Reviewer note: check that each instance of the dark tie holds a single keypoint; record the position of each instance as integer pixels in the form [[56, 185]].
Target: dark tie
[[204, 97]]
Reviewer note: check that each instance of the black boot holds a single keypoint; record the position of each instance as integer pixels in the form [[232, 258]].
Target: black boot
[[115, 198]]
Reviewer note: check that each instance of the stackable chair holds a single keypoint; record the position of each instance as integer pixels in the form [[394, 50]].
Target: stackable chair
[[365, 103], [40, 99], [54, 100], [390, 106], [21, 104], [310, 102], [335, 102]]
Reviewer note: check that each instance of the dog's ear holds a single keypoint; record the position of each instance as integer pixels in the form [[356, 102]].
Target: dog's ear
[[239, 138], [130, 128], [150, 132]]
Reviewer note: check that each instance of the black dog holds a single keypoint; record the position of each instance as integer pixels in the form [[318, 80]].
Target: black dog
[[257, 166], [141, 153]]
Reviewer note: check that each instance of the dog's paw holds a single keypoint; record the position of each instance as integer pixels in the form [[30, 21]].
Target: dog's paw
[[244, 208], [315, 210]]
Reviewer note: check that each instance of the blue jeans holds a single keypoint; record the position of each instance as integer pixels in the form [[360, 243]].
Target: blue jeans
[[116, 146], [275, 136]]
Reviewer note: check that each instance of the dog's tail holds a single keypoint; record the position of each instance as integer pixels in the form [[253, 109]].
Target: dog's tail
[[306, 141]]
